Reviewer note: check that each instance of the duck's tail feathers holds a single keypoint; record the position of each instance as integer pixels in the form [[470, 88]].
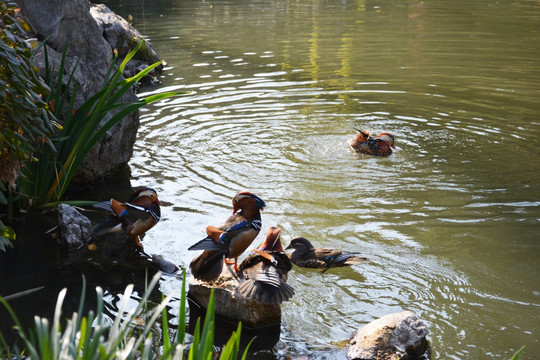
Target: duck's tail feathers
[[113, 224], [362, 135], [207, 266], [208, 244], [265, 293], [353, 259], [104, 205]]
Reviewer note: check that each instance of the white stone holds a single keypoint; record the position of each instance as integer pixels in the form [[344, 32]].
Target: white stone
[[392, 337]]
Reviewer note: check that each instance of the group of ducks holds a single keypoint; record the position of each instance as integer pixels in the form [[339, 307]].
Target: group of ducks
[[265, 269]]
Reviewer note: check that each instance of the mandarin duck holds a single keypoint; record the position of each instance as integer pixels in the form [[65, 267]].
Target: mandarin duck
[[305, 255], [229, 240], [265, 271], [135, 217], [380, 145]]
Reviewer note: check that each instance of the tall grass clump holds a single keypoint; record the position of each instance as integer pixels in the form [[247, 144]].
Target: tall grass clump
[[92, 337], [46, 179]]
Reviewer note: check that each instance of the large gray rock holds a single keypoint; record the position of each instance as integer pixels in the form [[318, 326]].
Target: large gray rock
[[398, 336], [230, 304], [74, 226], [122, 37], [70, 22]]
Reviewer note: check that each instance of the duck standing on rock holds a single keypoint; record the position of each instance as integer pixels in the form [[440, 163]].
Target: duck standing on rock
[[306, 255], [229, 240], [380, 145], [265, 271], [135, 216]]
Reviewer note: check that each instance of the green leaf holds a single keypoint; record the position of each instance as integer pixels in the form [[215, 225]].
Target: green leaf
[[518, 354]]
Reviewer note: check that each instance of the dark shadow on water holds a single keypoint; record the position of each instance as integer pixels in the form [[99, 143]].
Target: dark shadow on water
[[39, 260]]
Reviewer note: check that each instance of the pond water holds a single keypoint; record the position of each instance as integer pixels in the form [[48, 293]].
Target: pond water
[[450, 221]]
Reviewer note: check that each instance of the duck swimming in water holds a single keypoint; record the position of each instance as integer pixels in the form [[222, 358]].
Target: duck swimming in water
[[306, 255], [380, 145]]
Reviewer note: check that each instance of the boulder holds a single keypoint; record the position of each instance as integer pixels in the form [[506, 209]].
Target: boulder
[[72, 23], [230, 304], [398, 336], [122, 37], [74, 226]]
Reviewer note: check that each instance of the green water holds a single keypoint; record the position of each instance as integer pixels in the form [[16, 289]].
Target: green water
[[450, 221]]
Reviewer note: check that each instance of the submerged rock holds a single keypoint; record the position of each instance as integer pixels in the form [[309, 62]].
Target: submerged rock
[[395, 336]]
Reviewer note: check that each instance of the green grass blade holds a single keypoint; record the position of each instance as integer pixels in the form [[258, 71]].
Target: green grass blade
[[181, 334], [165, 328], [518, 354], [207, 336]]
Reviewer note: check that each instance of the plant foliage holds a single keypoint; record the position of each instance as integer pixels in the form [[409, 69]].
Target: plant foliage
[[25, 120], [46, 180], [127, 336], [518, 354]]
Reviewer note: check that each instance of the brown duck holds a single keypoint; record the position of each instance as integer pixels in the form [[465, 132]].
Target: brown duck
[[306, 255], [265, 271], [380, 145], [229, 240]]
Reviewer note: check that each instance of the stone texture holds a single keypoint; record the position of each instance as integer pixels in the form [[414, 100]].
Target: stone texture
[[230, 304], [71, 23], [113, 255], [74, 227], [122, 37], [395, 336]]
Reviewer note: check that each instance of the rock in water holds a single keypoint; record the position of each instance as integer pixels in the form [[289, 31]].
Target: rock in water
[[261, 322], [232, 305], [395, 336], [74, 227]]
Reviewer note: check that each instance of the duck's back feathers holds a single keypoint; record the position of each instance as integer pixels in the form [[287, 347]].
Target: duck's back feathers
[[265, 283], [209, 244], [306, 255], [264, 293], [265, 272]]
